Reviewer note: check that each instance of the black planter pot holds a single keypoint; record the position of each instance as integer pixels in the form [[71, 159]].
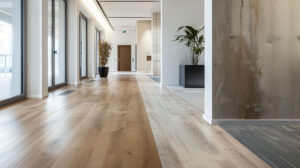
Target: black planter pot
[[103, 71], [191, 76]]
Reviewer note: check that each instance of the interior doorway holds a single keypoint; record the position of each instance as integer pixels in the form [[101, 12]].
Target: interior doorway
[[124, 58]]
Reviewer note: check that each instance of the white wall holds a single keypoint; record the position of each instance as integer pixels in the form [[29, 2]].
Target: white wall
[[208, 96], [176, 13], [73, 41], [74, 8], [116, 38], [36, 49], [144, 46], [36, 45]]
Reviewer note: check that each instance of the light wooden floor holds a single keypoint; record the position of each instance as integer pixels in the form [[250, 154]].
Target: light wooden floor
[[184, 139], [102, 124]]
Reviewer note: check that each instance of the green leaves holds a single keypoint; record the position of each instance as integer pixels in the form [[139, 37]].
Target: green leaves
[[192, 38]]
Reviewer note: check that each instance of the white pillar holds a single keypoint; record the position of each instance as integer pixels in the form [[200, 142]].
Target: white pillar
[[208, 96], [37, 49], [91, 48], [73, 41]]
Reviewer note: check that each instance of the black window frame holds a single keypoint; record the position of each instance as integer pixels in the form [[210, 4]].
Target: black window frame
[[23, 68], [55, 86]]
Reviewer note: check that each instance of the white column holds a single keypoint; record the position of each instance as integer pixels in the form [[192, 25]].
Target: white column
[[37, 49], [91, 48], [73, 41], [208, 96]]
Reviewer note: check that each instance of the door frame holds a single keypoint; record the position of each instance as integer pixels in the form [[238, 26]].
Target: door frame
[[118, 62], [55, 86], [81, 15]]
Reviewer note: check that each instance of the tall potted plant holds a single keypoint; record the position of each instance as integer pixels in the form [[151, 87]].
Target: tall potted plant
[[104, 50], [192, 76]]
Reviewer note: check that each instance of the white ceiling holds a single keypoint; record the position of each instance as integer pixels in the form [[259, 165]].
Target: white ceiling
[[124, 14]]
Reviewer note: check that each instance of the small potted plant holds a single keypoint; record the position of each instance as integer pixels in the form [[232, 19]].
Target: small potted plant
[[104, 50], [192, 76]]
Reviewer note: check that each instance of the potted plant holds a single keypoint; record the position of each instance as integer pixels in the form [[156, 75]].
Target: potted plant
[[192, 76], [104, 50]]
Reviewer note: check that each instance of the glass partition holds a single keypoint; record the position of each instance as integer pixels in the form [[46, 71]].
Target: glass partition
[[50, 49], [60, 51], [98, 38], [56, 43], [83, 47], [11, 54]]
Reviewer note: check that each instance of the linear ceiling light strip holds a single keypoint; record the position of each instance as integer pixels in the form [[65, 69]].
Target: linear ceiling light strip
[[105, 15]]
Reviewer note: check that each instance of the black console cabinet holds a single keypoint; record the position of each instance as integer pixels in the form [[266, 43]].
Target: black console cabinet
[[191, 76]]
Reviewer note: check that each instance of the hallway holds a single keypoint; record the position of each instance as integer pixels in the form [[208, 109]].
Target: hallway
[[103, 123]]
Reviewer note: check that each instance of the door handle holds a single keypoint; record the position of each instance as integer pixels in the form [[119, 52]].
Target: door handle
[[55, 51]]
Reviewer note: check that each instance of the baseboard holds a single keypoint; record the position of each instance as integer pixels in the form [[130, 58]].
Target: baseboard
[[34, 96], [253, 121], [243, 121], [72, 83], [208, 120]]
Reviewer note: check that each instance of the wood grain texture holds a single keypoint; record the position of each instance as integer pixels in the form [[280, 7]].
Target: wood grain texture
[[124, 57], [102, 124], [184, 139]]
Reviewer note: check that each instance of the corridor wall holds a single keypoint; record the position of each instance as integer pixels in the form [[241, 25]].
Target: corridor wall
[[256, 58]]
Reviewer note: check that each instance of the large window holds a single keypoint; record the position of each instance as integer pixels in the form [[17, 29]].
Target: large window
[[83, 46], [56, 43], [11, 51]]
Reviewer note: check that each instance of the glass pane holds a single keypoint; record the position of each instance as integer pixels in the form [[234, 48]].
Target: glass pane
[[60, 57], [10, 49], [97, 50], [49, 42], [83, 43]]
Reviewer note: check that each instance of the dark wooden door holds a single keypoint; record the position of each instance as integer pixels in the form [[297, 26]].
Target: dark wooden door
[[124, 58]]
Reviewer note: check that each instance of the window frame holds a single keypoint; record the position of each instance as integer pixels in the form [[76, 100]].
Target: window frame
[[98, 35], [55, 86], [81, 15], [23, 60]]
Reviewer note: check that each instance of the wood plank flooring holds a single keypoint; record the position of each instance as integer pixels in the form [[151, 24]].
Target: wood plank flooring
[[102, 124], [184, 139]]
